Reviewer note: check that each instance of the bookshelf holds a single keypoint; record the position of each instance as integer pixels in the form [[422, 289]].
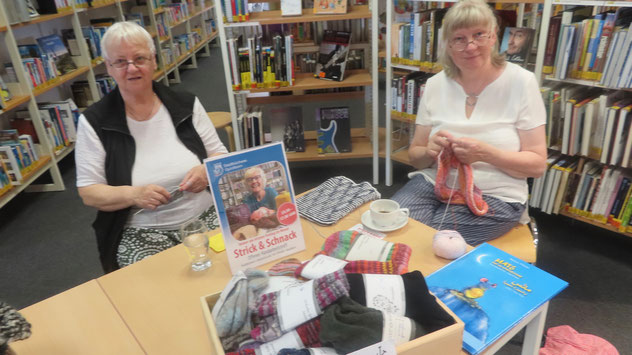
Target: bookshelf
[[596, 208], [26, 97], [164, 28], [364, 140], [400, 67]]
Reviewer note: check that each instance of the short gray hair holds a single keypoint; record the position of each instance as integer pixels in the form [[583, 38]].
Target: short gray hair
[[129, 31], [464, 14], [255, 170]]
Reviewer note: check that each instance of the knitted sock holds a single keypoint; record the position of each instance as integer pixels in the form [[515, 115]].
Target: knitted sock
[[327, 290], [285, 267], [348, 326], [421, 305], [308, 332], [339, 244], [233, 317]]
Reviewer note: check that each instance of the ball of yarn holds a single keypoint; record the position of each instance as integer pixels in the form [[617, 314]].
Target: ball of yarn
[[448, 244]]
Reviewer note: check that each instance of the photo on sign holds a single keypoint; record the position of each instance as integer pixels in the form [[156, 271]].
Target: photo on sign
[[252, 197]]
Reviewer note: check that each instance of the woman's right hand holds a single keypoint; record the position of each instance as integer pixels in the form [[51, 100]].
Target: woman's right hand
[[438, 141], [150, 196]]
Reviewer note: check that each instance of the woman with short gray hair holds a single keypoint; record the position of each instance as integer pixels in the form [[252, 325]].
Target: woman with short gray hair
[[484, 113], [139, 155]]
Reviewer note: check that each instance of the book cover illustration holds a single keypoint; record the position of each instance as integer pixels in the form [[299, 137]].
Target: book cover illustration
[[334, 130], [516, 45], [332, 55], [254, 198], [286, 125], [53, 46], [491, 291], [330, 6]]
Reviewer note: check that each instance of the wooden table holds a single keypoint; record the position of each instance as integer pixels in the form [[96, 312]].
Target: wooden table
[[78, 321], [153, 306]]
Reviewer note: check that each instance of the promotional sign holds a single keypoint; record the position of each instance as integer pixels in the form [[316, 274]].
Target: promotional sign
[[253, 194]]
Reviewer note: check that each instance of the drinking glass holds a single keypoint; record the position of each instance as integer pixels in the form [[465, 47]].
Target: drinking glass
[[194, 236]]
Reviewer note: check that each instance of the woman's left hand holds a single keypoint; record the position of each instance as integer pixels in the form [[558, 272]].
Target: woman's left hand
[[195, 180], [469, 150]]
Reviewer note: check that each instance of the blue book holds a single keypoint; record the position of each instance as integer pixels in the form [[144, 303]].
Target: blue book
[[54, 48], [491, 291]]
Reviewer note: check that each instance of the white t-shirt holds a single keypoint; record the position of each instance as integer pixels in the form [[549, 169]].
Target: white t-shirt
[[161, 159], [510, 103]]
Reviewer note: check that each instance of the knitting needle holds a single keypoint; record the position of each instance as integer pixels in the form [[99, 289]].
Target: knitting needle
[[450, 198]]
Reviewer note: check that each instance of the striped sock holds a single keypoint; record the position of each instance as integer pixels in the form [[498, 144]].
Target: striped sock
[[327, 290], [339, 244]]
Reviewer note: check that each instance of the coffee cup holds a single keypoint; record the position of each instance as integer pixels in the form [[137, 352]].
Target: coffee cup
[[387, 213]]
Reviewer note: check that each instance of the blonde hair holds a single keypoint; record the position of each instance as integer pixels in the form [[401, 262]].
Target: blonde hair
[[130, 32], [464, 14]]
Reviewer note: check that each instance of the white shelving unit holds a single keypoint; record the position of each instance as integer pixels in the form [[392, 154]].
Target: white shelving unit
[[365, 141]]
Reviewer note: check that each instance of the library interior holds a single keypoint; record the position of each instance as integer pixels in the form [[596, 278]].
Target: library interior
[[357, 161]]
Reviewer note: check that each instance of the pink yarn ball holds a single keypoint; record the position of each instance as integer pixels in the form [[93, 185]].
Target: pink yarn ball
[[448, 244]]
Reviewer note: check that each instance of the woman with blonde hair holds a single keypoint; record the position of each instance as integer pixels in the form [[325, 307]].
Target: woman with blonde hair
[[139, 155], [487, 114]]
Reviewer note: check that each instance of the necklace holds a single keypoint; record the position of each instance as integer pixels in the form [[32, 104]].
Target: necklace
[[471, 100], [148, 116]]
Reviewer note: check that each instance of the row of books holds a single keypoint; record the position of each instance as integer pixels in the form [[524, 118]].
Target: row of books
[[406, 91], [18, 155], [235, 10], [44, 61], [83, 95], [417, 39], [583, 46], [591, 123], [585, 188], [186, 42], [59, 119], [177, 12], [257, 65]]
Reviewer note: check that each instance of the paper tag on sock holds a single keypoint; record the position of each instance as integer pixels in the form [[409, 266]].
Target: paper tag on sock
[[289, 340], [369, 248], [363, 230], [222, 297], [385, 293], [322, 351], [397, 328], [277, 283], [296, 305], [322, 265]]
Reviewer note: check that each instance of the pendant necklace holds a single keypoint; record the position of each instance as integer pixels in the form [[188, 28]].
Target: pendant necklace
[[138, 117], [471, 100]]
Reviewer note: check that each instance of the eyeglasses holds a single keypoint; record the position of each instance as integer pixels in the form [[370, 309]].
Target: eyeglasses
[[123, 64], [460, 43], [253, 178]]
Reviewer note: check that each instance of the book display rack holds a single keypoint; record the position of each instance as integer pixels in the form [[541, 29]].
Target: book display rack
[[33, 79], [410, 57], [584, 68], [303, 86]]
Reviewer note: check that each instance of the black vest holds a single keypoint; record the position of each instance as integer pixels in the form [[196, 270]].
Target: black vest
[[107, 118]]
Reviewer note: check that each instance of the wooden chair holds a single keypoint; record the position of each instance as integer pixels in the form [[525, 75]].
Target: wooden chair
[[223, 120]]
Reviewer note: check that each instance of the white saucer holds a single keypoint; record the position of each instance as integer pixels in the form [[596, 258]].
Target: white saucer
[[367, 222]]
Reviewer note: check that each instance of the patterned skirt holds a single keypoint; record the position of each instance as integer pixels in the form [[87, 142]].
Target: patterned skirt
[[138, 243]]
